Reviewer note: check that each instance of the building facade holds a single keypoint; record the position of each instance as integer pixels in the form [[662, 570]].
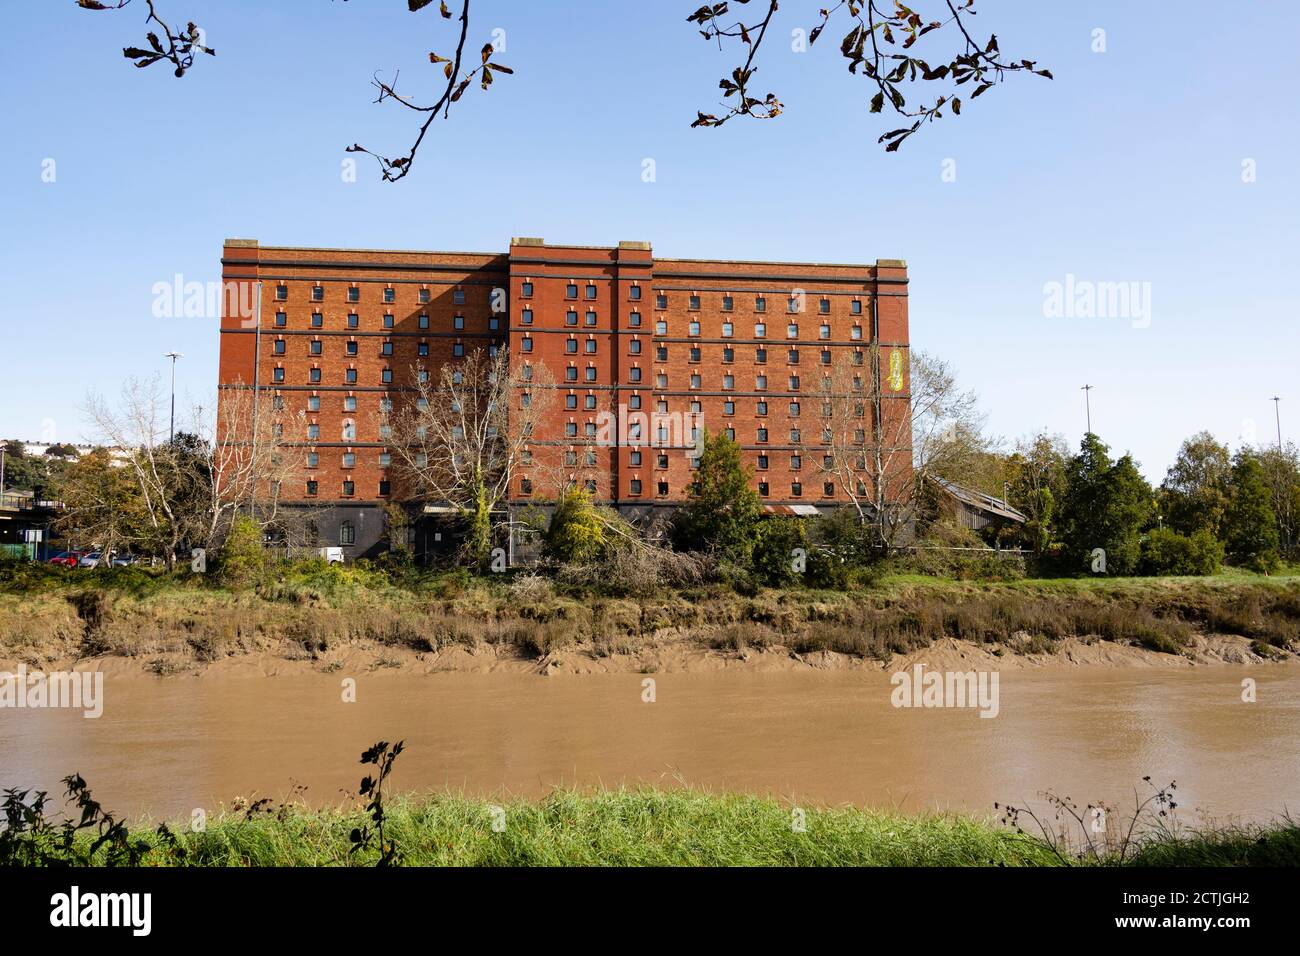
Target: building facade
[[641, 353]]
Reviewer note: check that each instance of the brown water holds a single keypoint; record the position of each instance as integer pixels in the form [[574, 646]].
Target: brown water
[[166, 746]]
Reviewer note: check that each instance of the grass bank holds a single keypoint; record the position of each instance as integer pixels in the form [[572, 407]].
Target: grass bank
[[671, 828], [311, 611]]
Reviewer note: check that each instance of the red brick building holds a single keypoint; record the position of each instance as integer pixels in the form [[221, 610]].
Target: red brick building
[[642, 352]]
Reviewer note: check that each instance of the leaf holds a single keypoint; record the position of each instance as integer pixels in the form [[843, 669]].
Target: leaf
[[499, 68], [434, 58], [459, 90], [414, 5], [486, 51], [877, 102]]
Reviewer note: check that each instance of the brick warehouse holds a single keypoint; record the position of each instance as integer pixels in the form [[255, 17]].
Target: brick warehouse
[[676, 344]]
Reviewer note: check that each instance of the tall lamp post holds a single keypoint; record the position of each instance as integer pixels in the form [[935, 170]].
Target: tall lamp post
[[173, 356], [1277, 414], [1087, 404]]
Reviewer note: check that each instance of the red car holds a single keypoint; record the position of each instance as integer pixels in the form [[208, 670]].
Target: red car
[[66, 559]]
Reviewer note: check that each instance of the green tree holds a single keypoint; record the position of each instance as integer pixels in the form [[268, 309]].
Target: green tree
[[243, 557], [1250, 526], [1107, 505], [576, 533], [774, 550], [1037, 486], [1194, 496], [723, 511], [1282, 473]]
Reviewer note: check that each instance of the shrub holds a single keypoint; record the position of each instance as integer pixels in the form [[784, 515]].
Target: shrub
[[243, 559], [777, 539], [1165, 551]]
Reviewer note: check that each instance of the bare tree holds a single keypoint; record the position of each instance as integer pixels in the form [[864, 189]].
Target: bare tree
[[188, 487], [463, 439], [257, 453], [161, 469], [885, 430]]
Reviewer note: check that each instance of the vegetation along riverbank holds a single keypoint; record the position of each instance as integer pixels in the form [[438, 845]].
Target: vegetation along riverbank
[[311, 615]]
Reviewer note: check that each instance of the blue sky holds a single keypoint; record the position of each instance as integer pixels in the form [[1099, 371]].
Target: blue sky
[[1126, 168]]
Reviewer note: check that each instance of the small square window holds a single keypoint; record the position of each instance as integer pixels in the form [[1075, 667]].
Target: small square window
[[317, 293], [571, 318], [350, 376], [349, 459], [279, 346], [313, 460], [526, 345], [526, 290], [388, 320], [693, 303], [278, 375], [312, 487], [317, 320], [634, 319], [313, 403], [424, 321], [589, 319], [281, 320], [570, 291], [458, 350], [591, 291], [281, 292], [314, 375], [634, 293], [661, 301], [458, 322], [349, 403], [457, 296], [349, 489], [422, 349], [526, 317], [424, 296], [760, 304], [824, 306], [856, 307], [353, 320], [354, 294], [316, 347], [634, 486], [762, 489], [634, 347], [389, 295]]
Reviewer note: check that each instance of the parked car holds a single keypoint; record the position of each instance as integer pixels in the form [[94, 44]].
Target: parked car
[[125, 560], [332, 555], [66, 559], [90, 559]]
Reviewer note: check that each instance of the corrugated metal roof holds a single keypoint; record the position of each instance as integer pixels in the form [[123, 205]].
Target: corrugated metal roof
[[981, 501]]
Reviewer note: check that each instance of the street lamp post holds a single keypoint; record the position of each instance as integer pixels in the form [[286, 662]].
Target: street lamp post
[[1277, 415], [1087, 404], [173, 356]]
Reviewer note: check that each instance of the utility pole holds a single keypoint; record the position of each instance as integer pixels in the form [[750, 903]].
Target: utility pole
[[1277, 414], [1087, 404], [173, 356]]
